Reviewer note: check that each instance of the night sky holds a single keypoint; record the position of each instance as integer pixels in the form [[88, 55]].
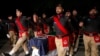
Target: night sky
[[7, 7]]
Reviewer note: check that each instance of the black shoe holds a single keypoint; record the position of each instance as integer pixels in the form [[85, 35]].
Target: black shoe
[[5, 54], [27, 55]]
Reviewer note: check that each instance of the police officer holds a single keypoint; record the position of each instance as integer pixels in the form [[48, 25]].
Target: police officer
[[75, 19], [23, 35], [12, 30], [61, 27], [91, 25]]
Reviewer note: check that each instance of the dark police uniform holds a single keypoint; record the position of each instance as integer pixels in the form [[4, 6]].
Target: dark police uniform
[[60, 37], [91, 29], [12, 30]]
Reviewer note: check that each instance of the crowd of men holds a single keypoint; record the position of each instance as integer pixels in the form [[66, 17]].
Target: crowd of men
[[32, 33]]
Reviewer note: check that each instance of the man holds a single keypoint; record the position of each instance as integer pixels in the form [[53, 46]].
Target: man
[[45, 24], [71, 39], [11, 30], [91, 31], [75, 23], [22, 28], [62, 32]]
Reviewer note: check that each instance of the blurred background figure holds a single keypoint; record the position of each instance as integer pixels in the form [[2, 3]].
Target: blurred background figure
[[12, 30]]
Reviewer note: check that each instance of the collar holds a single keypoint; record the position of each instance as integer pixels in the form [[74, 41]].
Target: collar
[[59, 15]]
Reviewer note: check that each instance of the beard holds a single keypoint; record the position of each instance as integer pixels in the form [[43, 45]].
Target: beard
[[58, 13]]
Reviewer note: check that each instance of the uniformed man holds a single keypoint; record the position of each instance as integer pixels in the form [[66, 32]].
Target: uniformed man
[[91, 30], [61, 27], [23, 34], [75, 19], [69, 19], [12, 30]]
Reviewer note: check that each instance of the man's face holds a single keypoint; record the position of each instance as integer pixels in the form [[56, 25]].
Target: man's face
[[10, 17], [18, 13], [74, 12], [59, 10], [93, 12]]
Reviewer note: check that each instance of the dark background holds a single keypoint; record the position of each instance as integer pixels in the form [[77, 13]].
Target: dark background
[[7, 7]]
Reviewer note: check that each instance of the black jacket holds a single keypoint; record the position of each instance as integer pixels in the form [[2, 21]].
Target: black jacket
[[92, 24], [11, 25], [75, 22], [64, 21]]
